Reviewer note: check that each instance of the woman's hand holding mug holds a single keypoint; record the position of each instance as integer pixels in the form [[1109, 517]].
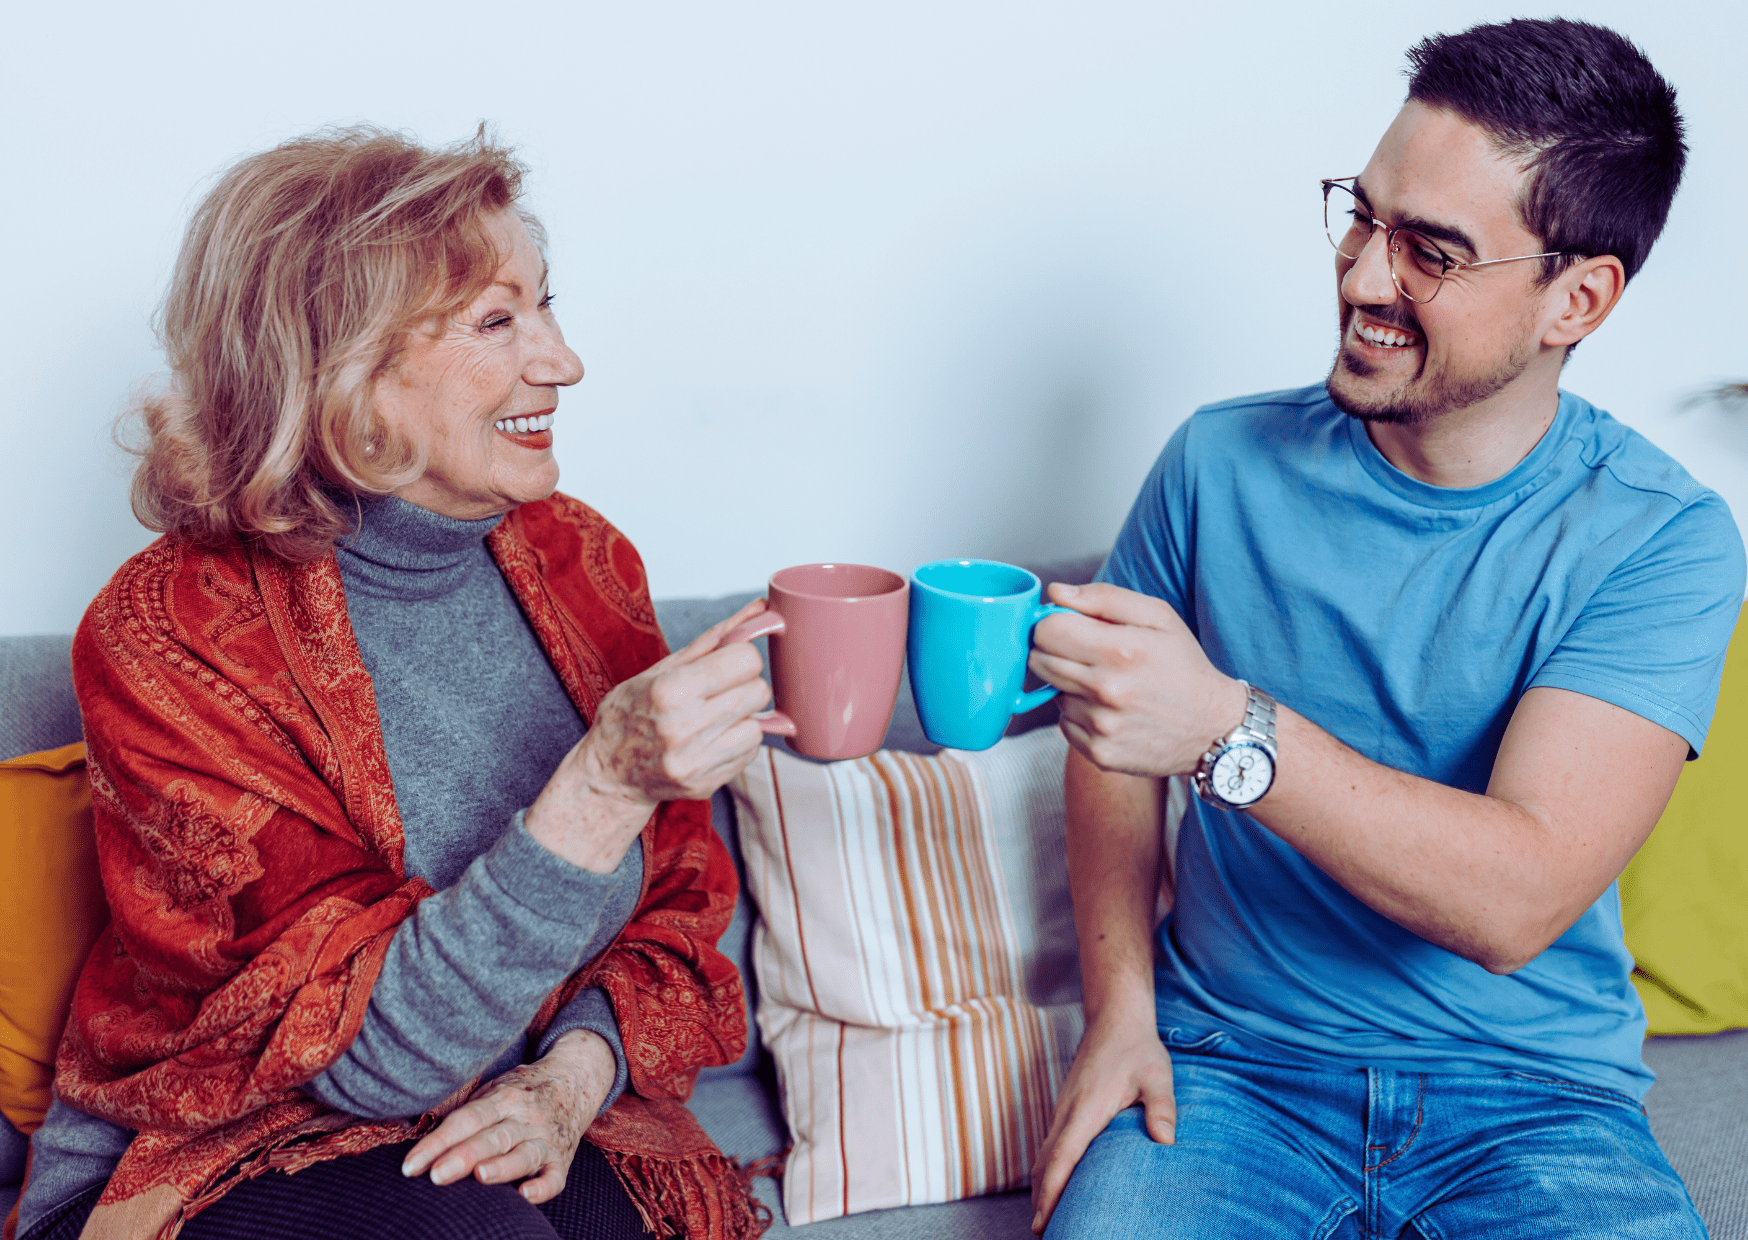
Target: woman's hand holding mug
[[692, 722], [679, 730], [837, 655]]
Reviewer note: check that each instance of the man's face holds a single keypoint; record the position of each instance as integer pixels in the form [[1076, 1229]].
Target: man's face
[[1440, 174]]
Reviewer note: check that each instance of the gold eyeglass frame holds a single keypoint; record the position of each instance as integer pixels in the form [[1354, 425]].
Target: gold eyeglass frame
[[1392, 249]]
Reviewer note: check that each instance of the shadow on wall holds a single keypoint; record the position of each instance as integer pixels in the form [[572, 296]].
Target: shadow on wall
[[1060, 483], [1046, 408], [1724, 413]]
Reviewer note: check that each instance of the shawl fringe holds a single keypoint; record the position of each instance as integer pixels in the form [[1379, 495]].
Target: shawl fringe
[[700, 1197]]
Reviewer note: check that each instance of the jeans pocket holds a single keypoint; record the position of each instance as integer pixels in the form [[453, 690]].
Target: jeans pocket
[[1577, 1089]]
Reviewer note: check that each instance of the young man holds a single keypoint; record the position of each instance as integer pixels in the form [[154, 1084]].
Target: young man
[[1392, 996]]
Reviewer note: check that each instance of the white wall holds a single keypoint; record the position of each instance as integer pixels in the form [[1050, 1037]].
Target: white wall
[[879, 281]]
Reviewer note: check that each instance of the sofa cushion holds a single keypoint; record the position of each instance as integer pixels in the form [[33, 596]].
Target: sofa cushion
[[1696, 1108], [37, 707], [740, 1114], [918, 982], [1682, 896], [1003, 1216], [51, 910], [737, 942]]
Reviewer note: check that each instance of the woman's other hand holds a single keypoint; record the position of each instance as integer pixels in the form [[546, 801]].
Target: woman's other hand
[[525, 1124], [676, 731]]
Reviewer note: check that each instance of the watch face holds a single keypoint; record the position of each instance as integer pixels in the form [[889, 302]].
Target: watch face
[[1242, 774]]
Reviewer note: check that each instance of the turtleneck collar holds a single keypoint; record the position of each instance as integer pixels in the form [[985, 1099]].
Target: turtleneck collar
[[403, 549]]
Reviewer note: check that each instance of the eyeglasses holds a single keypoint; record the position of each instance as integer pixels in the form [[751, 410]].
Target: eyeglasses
[[1350, 224]]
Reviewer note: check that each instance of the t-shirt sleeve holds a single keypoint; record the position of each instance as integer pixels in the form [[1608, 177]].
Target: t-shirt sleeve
[[1151, 555], [1652, 638]]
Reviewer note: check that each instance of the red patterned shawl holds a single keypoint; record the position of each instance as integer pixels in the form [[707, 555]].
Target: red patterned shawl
[[252, 853]]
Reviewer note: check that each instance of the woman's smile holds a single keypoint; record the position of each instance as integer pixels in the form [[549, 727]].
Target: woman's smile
[[532, 430], [478, 393]]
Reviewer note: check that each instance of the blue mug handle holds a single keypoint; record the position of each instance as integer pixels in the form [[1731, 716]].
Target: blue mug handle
[[1037, 697]]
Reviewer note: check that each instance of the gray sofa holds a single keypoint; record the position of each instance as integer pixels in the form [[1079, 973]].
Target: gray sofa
[[1698, 1108]]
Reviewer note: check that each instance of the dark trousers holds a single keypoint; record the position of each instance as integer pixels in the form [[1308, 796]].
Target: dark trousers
[[365, 1195]]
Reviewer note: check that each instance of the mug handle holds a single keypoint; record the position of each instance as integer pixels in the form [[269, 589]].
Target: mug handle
[[771, 722], [1037, 697]]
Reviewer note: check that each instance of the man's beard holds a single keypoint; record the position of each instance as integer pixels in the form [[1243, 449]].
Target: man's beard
[[1415, 401]]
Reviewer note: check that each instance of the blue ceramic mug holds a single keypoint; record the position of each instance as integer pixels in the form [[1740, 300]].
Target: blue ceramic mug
[[970, 632]]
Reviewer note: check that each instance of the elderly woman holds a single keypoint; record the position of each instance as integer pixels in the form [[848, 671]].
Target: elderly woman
[[397, 787]]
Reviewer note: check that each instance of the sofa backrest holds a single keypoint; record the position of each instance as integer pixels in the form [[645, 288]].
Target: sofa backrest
[[37, 707]]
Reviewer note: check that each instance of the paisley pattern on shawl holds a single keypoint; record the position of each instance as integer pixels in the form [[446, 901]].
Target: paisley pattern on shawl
[[251, 850]]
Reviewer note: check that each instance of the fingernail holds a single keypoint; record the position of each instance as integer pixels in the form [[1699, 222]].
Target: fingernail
[[1171, 1134], [1037, 1222], [407, 1168], [1069, 590], [445, 1171]]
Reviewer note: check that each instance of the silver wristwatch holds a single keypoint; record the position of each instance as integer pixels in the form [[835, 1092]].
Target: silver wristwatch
[[1239, 768]]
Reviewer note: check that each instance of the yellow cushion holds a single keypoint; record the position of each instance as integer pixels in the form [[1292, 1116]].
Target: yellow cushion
[[1685, 896], [51, 911]]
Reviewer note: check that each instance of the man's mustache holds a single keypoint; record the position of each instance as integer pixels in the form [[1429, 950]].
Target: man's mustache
[[1390, 316]]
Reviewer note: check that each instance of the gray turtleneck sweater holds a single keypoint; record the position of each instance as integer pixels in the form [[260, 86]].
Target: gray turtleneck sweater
[[474, 721]]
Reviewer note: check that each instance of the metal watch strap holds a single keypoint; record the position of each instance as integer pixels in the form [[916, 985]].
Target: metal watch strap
[[1256, 728], [1259, 718]]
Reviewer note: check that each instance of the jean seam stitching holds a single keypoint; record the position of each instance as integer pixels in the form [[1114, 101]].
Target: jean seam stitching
[[1333, 1218], [1428, 1228], [1419, 1114], [1590, 1091]]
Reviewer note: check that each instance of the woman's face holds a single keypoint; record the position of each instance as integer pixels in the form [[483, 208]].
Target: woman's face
[[479, 392]]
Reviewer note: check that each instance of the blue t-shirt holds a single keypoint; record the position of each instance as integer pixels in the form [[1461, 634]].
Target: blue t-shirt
[[1407, 620]]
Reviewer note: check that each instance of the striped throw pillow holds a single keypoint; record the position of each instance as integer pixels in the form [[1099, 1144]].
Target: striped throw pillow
[[918, 982]]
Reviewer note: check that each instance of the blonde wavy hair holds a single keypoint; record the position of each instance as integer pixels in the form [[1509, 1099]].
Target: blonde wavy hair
[[300, 276]]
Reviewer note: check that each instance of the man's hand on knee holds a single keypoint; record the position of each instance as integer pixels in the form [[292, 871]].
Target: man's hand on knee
[[1118, 1065]]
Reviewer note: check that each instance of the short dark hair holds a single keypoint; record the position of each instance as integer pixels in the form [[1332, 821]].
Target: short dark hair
[[1594, 123]]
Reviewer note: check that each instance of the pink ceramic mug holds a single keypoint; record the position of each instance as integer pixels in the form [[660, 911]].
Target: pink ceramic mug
[[837, 651]]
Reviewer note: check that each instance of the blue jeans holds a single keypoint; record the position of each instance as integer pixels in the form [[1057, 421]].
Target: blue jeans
[[1269, 1149]]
